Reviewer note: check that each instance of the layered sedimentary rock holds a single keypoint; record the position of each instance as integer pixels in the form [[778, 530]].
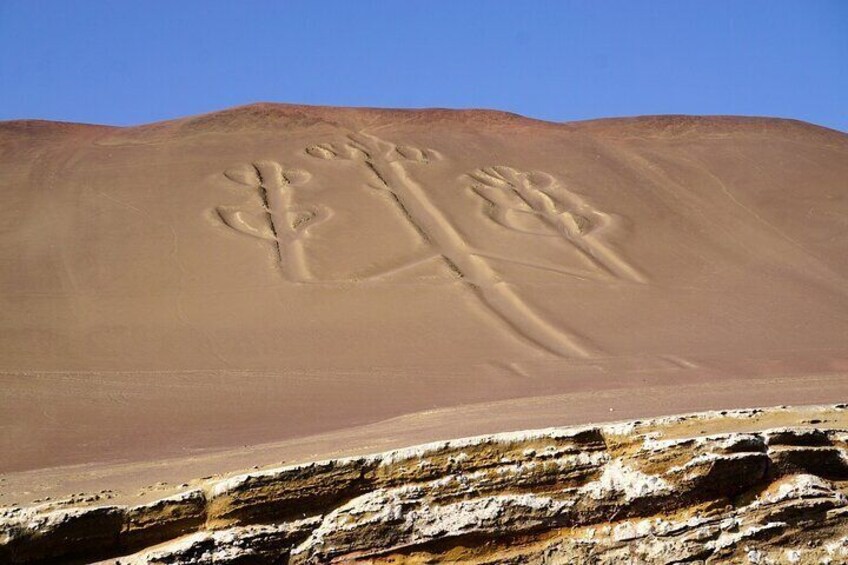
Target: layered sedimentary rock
[[708, 487]]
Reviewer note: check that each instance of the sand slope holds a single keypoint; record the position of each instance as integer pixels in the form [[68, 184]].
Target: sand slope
[[271, 271]]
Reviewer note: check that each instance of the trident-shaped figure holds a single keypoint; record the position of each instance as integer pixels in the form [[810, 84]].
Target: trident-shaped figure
[[387, 164], [278, 219]]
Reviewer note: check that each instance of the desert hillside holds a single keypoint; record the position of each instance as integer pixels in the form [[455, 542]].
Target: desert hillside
[[274, 272]]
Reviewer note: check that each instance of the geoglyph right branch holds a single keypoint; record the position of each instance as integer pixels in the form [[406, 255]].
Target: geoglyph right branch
[[511, 193]]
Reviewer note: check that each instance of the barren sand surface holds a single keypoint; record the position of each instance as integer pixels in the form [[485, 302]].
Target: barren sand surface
[[278, 282]]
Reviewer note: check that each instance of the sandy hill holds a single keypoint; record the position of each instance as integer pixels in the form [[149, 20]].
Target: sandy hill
[[272, 272]]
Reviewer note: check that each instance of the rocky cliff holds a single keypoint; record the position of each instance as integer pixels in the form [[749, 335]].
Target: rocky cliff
[[709, 487]]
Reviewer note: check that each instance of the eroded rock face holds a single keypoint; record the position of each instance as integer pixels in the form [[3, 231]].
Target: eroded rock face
[[639, 492]]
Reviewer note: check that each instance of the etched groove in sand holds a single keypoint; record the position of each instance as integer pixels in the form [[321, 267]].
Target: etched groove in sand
[[512, 194], [385, 163], [278, 220]]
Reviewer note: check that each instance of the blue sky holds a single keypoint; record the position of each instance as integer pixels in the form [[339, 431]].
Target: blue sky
[[130, 62]]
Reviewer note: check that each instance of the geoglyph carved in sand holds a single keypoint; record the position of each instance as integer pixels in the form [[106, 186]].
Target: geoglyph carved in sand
[[277, 219], [527, 202], [386, 164], [534, 202]]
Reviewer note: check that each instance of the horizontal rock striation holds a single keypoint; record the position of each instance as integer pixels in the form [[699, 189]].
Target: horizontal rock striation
[[656, 491]]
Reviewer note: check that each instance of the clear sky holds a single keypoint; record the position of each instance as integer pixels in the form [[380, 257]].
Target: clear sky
[[128, 62]]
